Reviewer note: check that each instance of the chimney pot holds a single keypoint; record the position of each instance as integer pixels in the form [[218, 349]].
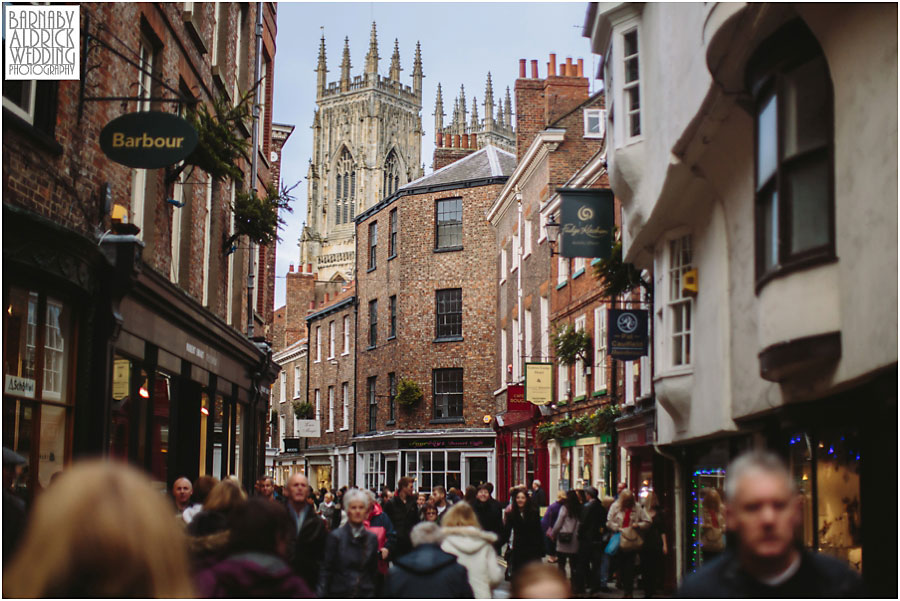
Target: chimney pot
[[551, 66], [456, 140], [309, 268], [465, 140], [580, 67], [569, 65], [522, 68], [291, 268], [472, 139], [440, 139], [563, 72], [534, 69]]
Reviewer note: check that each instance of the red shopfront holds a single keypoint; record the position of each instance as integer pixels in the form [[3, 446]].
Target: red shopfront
[[521, 456]]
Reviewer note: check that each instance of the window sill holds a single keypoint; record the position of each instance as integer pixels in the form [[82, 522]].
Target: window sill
[[598, 393], [821, 258], [390, 423], [317, 361], [561, 285], [392, 337], [329, 431], [329, 358], [593, 136], [578, 273], [449, 339], [448, 249], [345, 353], [448, 420], [526, 255], [41, 138], [393, 256], [344, 429], [678, 370], [503, 281], [595, 262], [372, 347], [579, 398], [371, 269]]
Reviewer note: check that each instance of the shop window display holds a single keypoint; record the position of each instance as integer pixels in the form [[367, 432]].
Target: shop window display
[[701, 523]]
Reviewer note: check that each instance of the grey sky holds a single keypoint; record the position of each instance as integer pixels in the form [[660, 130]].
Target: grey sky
[[461, 42]]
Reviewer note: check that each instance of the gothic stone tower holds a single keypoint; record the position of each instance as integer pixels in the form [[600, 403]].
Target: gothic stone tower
[[367, 142]]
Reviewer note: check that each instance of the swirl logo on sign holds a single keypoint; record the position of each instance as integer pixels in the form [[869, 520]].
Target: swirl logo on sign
[[585, 213], [627, 323]]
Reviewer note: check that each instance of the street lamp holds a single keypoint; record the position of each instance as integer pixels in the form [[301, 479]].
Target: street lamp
[[552, 232]]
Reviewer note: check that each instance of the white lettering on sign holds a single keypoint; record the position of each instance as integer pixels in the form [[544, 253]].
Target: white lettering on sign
[[19, 386], [209, 358]]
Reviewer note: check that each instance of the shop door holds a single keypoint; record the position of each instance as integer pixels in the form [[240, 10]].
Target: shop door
[[390, 473], [476, 470]]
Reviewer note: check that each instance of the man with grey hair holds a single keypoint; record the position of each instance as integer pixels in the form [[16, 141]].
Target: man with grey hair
[[763, 511], [428, 571], [310, 531]]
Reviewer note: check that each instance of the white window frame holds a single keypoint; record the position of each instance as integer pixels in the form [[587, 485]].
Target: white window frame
[[346, 350], [562, 381], [331, 339], [139, 176], [239, 34], [615, 72], [562, 269], [27, 114], [318, 406], [282, 390], [281, 432], [345, 392], [515, 251], [516, 351], [217, 16], [229, 303], [175, 263], [579, 265], [503, 355], [600, 352], [318, 344], [527, 242], [296, 381], [330, 409], [207, 238], [677, 302], [503, 265], [580, 378], [600, 115], [527, 323], [264, 76], [542, 234], [545, 328]]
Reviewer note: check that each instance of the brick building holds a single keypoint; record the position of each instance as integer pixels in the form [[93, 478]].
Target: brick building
[[559, 142], [426, 288], [126, 316]]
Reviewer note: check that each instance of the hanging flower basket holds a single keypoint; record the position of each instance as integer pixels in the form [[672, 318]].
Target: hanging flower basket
[[408, 393]]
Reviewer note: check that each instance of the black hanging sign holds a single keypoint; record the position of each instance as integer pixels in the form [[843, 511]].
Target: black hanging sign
[[148, 140], [627, 334], [587, 219]]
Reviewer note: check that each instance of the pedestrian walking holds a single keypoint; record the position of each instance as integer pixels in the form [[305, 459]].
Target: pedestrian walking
[[404, 514], [565, 533], [350, 566], [490, 514], [101, 530], [712, 525], [763, 510], [538, 495], [267, 488], [440, 500], [427, 572], [256, 564], [185, 507], [208, 532], [547, 523], [523, 526], [473, 548], [330, 512], [379, 524], [630, 521], [655, 547], [471, 495], [429, 513], [310, 531], [591, 538]]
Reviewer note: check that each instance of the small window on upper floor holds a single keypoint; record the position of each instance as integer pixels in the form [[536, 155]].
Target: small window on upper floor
[[448, 224], [631, 86], [793, 145], [594, 123]]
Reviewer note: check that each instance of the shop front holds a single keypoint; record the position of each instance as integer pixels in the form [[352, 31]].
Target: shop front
[[328, 466], [449, 459], [521, 455]]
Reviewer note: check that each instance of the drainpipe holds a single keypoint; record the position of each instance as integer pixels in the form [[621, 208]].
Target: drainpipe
[[254, 160], [676, 545]]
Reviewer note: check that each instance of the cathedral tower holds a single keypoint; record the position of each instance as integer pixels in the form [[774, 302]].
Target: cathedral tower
[[367, 142]]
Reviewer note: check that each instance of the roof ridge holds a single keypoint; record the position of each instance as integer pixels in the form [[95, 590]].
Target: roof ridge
[[446, 167]]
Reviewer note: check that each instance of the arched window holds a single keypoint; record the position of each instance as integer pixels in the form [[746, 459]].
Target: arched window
[[345, 188], [793, 140], [391, 174]]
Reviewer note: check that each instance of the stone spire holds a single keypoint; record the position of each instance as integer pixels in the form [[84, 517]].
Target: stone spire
[[372, 57], [417, 72], [395, 62], [474, 122], [345, 66], [321, 69], [500, 119], [455, 113], [488, 101], [438, 112], [463, 109], [507, 110]]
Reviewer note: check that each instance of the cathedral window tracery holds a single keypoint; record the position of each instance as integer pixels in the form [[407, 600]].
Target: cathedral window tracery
[[345, 189], [391, 174]]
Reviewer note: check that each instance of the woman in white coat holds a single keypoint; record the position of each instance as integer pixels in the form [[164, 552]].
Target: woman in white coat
[[473, 548]]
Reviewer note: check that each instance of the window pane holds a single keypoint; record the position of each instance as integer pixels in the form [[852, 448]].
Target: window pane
[[593, 123], [806, 107], [56, 333], [767, 142], [631, 70], [631, 42], [769, 226], [449, 223], [159, 444], [808, 189], [21, 330]]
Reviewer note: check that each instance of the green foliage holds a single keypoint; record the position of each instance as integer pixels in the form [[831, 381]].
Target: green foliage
[[259, 218], [221, 142], [408, 393], [304, 410], [599, 422], [571, 345], [617, 277]]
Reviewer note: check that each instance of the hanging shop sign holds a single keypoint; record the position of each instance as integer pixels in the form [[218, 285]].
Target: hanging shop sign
[[291, 445], [539, 383], [587, 222], [148, 140], [308, 428], [627, 337], [515, 398]]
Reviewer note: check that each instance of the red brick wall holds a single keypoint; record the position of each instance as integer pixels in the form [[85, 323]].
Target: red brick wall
[[413, 276], [332, 372], [445, 156]]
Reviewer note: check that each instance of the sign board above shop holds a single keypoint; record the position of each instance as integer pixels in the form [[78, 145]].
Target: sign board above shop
[[148, 140], [627, 337], [539, 383], [587, 221]]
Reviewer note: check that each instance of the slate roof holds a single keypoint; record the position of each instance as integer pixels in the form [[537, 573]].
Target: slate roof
[[490, 161]]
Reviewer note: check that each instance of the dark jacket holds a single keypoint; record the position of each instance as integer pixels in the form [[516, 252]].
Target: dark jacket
[[490, 517], [593, 524], [309, 547], [255, 575], [539, 497], [208, 537], [528, 537], [818, 576], [403, 516], [350, 565], [428, 572]]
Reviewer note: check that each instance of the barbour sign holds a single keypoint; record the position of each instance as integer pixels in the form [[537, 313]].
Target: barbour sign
[[587, 220], [148, 140]]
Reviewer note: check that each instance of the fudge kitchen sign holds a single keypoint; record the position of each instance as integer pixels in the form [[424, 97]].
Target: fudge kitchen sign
[[148, 140]]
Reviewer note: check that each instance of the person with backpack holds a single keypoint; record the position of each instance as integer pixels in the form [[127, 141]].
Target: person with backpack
[[565, 533]]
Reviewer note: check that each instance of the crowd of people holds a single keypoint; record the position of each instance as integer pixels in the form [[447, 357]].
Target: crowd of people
[[102, 530]]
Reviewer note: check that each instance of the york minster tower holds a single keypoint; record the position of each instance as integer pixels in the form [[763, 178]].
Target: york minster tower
[[367, 142]]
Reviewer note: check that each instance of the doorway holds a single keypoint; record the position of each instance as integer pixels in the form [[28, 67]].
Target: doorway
[[477, 468], [390, 472]]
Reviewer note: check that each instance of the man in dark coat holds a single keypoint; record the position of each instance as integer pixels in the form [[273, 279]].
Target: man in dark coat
[[428, 572], [310, 530], [763, 511], [490, 515], [538, 496], [590, 536], [404, 514]]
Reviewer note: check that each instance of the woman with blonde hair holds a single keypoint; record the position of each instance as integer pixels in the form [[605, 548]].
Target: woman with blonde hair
[[630, 519], [473, 548], [101, 530], [209, 530]]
